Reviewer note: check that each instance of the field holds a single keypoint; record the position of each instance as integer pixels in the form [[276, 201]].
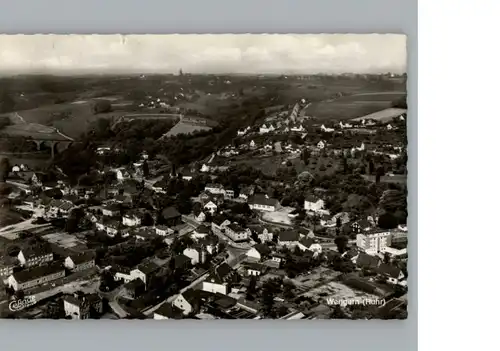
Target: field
[[71, 119], [384, 115], [186, 128], [269, 165], [354, 106]]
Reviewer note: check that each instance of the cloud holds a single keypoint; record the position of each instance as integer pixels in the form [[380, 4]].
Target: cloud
[[361, 53]]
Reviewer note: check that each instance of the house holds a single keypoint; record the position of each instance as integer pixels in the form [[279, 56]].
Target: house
[[262, 232], [168, 311], [288, 238], [204, 168], [36, 276], [182, 261], [389, 127], [313, 203], [305, 233], [252, 145], [246, 192], [298, 128], [80, 262], [392, 274], [197, 254], [219, 224], [144, 272], [59, 208], [373, 242], [187, 175], [262, 202], [263, 250], [253, 255], [111, 210], [110, 227], [171, 216], [255, 269], [187, 302], [131, 219], [199, 216], [76, 307], [210, 207], [321, 145], [365, 261], [35, 256], [122, 174], [362, 225], [219, 279], [236, 233], [200, 232], [215, 188], [160, 186], [327, 130], [244, 131], [135, 288], [278, 258], [163, 230], [309, 244], [229, 193], [345, 125]]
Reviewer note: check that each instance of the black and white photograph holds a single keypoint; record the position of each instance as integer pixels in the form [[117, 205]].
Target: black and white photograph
[[205, 177]]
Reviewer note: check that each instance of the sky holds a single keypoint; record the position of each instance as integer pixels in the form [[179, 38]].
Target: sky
[[226, 53]]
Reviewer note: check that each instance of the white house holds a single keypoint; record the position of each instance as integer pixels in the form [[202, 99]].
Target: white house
[[186, 301], [197, 255], [327, 130], [321, 145], [255, 269], [215, 189], [345, 125], [288, 238], [77, 263], [299, 128], [253, 255], [394, 275], [262, 202], [252, 144], [34, 256], [131, 220], [210, 207], [389, 127], [163, 230], [200, 232], [313, 203], [199, 216], [204, 168]]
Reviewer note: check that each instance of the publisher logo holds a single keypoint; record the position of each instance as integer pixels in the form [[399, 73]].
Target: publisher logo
[[18, 305]]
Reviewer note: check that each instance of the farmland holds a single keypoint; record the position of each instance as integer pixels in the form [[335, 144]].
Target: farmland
[[270, 165], [353, 106]]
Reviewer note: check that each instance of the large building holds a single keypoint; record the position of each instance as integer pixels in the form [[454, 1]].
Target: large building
[[262, 202], [31, 278], [35, 256], [374, 242]]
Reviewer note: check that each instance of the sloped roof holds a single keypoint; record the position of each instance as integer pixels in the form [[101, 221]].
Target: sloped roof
[[289, 235]]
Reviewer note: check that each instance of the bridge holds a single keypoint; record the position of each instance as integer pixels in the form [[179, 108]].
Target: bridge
[[38, 133]]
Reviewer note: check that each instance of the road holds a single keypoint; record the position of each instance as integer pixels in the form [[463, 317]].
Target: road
[[112, 297]]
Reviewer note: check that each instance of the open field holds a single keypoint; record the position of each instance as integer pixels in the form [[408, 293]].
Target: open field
[[384, 115], [354, 106], [186, 128]]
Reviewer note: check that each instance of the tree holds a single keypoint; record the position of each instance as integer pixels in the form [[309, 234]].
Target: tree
[[4, 169], [341, 242], [338, 223], [380, 173], [145, 169], [252, 287], [387, 221], [101, 106]]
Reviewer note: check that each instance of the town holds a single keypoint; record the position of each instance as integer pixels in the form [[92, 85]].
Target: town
[[271, 210]]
